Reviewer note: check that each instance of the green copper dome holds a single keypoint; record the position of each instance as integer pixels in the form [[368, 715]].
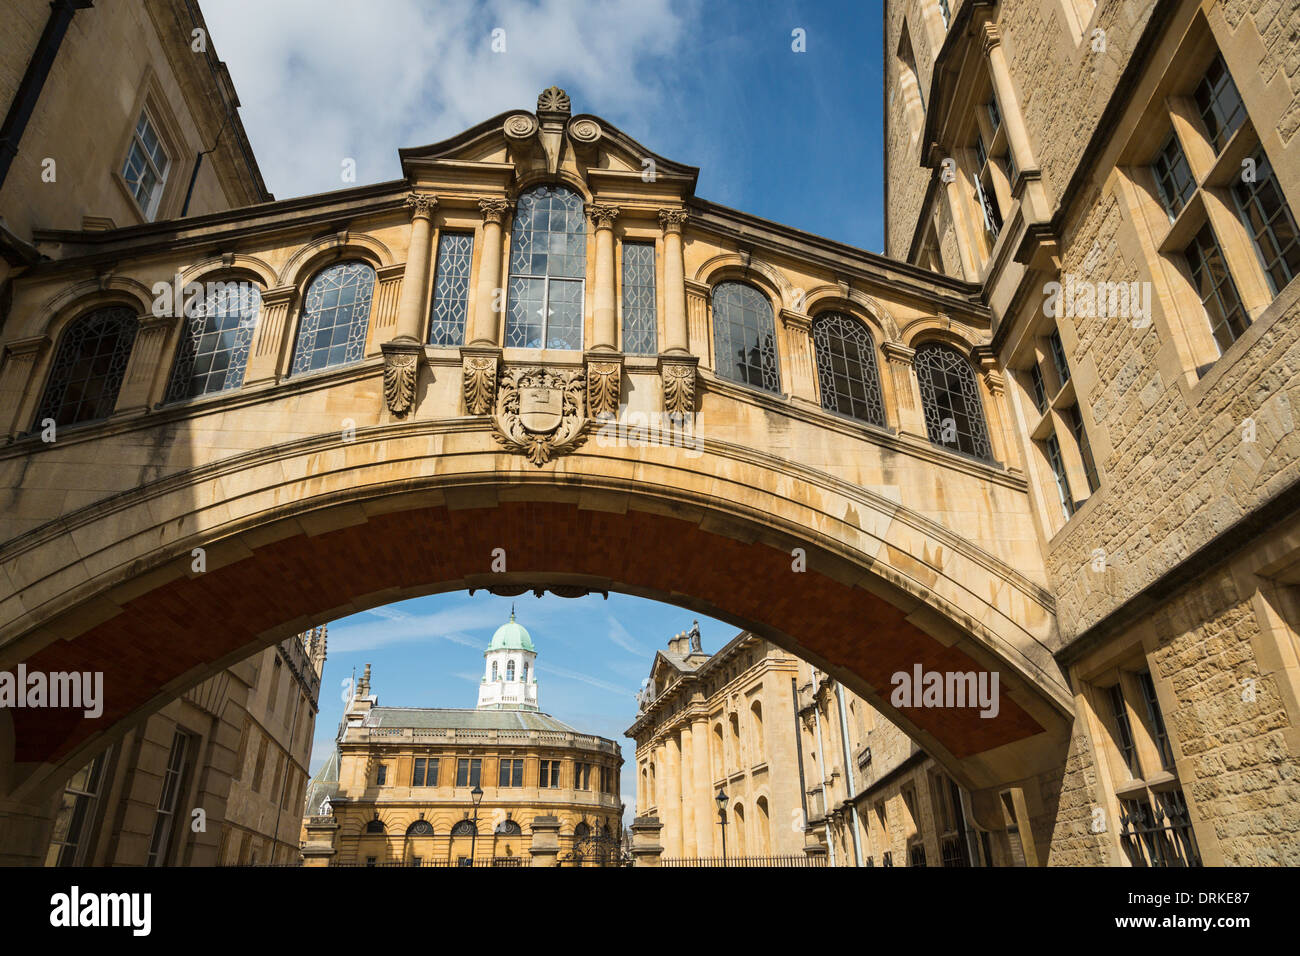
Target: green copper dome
[[511, 637]]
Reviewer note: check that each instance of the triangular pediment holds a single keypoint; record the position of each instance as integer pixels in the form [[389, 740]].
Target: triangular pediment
[[518, 147]]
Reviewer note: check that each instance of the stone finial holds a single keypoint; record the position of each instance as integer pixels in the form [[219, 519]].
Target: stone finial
[[553, 100]]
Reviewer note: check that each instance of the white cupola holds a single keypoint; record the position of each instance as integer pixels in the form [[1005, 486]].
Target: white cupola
[[509, 676]]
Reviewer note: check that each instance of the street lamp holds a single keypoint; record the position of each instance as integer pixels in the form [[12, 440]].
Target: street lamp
[[477, 796], [721, 799]]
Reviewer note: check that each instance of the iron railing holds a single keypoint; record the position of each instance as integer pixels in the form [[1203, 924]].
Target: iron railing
[[743, 861]]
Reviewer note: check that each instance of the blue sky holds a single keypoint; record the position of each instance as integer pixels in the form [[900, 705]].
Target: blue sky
[[792, 137]]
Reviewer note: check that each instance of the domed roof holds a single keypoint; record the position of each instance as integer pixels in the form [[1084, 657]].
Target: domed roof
[[511, 637]]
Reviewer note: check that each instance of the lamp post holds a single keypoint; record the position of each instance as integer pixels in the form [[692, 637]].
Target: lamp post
[[477, 796], [721, 799]]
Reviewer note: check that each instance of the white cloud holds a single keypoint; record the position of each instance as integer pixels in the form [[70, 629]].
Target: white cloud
[[620, 636], [583, 678], [360, 633], [322, 81]]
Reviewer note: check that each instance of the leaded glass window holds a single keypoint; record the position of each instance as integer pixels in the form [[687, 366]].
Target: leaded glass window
[[213, 351], [88, 369], [335, 316], [145, 170], [744, 336], [420, 828], [1173, 176], [846, 367], [463, 828], [1271, 225], [640, 324], [1219, 103], [1054, 458], [954, 415], [1215, 288], [548, 262], [508, 828], [451, 289]]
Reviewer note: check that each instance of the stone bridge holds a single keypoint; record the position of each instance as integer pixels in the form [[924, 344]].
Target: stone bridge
[[538, 360]]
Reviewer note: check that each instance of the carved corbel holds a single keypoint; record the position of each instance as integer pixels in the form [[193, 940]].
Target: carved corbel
[[479, 368], [604, 384], [401, 372], [677, 373]]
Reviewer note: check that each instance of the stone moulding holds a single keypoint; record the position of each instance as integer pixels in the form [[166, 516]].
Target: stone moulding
[[479, 378], [540, 412], [678, 375], [401, 372]]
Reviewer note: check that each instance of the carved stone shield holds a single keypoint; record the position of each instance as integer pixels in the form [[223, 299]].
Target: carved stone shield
[[541, 409], [540, 412]]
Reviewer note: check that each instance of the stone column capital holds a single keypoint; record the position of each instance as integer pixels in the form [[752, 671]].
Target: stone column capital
[[990, 37], [796, 321], [21, 348], [672, 220], [898, 353], [602, 216], [421, 205], [495, 210]]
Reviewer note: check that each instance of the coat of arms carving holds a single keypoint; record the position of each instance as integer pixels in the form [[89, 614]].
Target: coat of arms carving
[[540, 412]]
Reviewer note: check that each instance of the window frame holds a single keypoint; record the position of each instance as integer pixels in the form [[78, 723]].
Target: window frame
[[546, 278]]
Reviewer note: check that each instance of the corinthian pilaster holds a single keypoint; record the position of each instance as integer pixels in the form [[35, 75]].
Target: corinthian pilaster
[[676, 336]]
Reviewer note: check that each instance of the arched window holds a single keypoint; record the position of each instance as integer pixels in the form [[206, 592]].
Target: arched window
[[213, 350], [420, 828], [954, 415], [335, 316], [525, 678], [581, 831], [508, 828], [846, 367], [88, 369], [375, 826], [494, 670], [510, 670], [744, 336], [763, 826], [734, 720], [738, 819], [548, 261], [718, 754], [463, 828], [756, 718]]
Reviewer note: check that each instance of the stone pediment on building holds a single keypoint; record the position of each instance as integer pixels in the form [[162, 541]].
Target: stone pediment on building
[[519, 146]]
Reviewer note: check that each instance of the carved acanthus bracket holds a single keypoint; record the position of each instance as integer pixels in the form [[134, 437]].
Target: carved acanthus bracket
[[604, 384], [479, 379], [678, 376], [401, 372], [540, 413]]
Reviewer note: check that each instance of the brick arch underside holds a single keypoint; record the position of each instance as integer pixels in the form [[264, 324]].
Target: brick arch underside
[[190, 624]]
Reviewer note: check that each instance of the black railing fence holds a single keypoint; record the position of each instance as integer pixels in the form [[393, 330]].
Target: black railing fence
[[742, 861]]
